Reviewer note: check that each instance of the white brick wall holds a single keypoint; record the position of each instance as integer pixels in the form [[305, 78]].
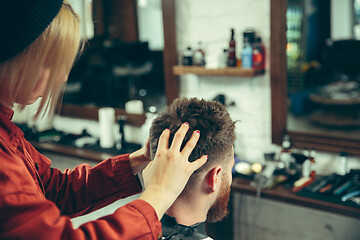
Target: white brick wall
[[210, 22]]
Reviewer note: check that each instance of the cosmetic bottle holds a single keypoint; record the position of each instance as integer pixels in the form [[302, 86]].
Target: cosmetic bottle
[[308, 166], [231, 62], [223, 58], [249, 34], [246, 55], [199, 55], [286, 155], [258, 55], [313, 163], [342, 164], [188, 57]]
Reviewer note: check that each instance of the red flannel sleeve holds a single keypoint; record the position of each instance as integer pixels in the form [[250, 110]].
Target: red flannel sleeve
[[34, 219], [26, 214], [85, 189]]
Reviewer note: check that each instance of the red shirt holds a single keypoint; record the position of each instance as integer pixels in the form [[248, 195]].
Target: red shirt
[[37, 201]]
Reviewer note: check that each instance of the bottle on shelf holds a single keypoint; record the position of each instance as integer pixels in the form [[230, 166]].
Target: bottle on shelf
[[187, 57], [308, 166], [249, 34], [313, 163], [258, 55], [246, 55], [342, 163], [199, 56], [231, 61], [223, 58], [308, 171], [286, 155]]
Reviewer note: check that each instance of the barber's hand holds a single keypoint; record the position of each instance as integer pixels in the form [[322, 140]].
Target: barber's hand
[[140, 158], [166, 176]]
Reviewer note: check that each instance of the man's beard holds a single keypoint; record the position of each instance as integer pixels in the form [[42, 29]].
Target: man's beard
[[219, 209]]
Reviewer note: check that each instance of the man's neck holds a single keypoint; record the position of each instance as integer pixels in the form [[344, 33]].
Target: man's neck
[[188, 211]]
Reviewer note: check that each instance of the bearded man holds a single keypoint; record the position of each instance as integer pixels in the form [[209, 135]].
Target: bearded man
[[206, 195]]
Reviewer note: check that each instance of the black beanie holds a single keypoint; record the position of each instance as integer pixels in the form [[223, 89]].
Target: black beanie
[[22, 22]]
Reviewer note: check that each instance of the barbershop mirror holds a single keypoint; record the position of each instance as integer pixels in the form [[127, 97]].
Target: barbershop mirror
[[315, 74], [122, 59]]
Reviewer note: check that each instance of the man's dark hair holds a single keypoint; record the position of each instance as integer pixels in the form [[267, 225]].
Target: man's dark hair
[[217, 130]]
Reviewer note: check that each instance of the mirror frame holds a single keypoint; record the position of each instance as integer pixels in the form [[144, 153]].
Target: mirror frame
[[279, 101], [170, 51]]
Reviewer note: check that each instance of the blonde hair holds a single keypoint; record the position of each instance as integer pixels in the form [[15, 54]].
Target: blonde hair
[[56, 48]]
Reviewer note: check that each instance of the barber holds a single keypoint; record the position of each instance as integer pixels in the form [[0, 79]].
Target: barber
[[39, 42]]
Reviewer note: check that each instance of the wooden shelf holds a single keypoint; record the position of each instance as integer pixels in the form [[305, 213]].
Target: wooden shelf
[[230, 71], [280, 193]]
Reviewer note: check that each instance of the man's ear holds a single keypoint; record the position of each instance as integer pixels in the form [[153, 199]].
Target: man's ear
[[213, 178]]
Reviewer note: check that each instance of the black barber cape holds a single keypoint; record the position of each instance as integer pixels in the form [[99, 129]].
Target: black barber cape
[[174, 231]]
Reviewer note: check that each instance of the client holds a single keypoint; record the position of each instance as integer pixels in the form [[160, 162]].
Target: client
[[206, 195]]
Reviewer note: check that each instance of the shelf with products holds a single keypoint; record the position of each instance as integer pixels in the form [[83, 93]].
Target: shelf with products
[[282, 194], [229, 71]]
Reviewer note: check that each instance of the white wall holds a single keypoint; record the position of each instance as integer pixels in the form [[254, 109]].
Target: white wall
[[210, 21], [341, 19], [84, 9], [150, 23]]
